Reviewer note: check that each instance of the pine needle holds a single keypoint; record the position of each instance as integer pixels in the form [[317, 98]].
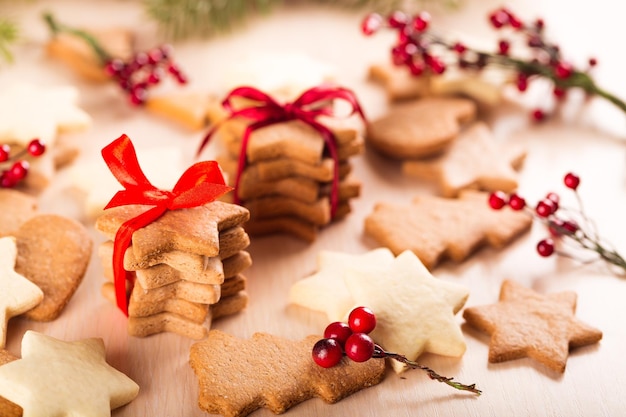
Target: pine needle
[[8, 35]]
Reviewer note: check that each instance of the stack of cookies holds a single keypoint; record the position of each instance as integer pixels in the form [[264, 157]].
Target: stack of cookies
[[187, 267], [287, 180]]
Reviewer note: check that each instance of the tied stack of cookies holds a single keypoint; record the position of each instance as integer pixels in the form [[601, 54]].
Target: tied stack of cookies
[[287, 179], [187, 267]]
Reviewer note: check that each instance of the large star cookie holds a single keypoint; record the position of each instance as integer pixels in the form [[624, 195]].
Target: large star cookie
[[524, 323], [237, 377], [17, 294], [7, 408], [436, 228], [414, 310], [475, 160], [58, 378], [53, 108], [325, 290]]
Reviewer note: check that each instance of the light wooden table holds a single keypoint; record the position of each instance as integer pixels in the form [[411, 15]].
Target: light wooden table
[[590, 143]]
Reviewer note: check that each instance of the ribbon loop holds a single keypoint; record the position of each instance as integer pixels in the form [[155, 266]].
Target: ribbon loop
[[200, 184], [312, 103]]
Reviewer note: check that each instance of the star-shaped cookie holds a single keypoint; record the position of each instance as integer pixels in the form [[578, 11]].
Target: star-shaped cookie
[[436, 228], [325, 290], [414, 310], [524, 323], [17, 294], [237, 377], [420, 128], [475, 160], [54, 108], [15, 208], [7, 408], [195, 230], [58, 378]]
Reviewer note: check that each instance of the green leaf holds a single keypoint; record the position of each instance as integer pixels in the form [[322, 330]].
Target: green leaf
[[8, 34]]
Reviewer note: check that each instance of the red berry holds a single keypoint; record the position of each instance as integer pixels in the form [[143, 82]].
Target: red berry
[[138, 96], [36, 147], [141, 59], [563, 69], [155, 56], [327, 353], [538, 115], [559, 92], [516, 202], [545, 208], [6, 180], [416, 67], [570, 226], [362, 320], [593, 62], [5, 150], [539, 24], [153, 78], [359, 347], [571, 180], [371, 23], [522, 81], [497, 200], [339, 331], [545, 247], [114, 67], [420, 22], [504, 46], [499, 18], [436, 65], [19, 170], [397, 20], [515, 22], [459, 48], [555, 227], [554, 197]]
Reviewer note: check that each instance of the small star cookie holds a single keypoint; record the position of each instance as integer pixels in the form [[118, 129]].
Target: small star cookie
[[473, 161], [524, 323], [58, 378], [54, 109], [17, 293], [237, 377], [325, 290], [414, 310], [436, 228]]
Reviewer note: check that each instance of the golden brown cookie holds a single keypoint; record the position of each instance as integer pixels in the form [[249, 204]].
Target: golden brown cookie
[[524, 323], [317, 213], [53, 252], [237, 377], [475, 160], [419, 128], [15, 208], [398, 82], [7, 408], [194, 230], [437, 228], [187, 109]]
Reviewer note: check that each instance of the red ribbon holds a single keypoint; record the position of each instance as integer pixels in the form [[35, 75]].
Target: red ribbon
[[200, 184], [307, 108]]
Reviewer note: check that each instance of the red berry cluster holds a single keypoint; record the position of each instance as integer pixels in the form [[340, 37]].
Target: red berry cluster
[[560, 224], [423, 51], [142, 71], [352, 340], [17, 167]]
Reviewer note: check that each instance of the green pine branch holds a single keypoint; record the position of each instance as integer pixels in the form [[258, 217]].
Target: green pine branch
[[179, 19], [8, 35]]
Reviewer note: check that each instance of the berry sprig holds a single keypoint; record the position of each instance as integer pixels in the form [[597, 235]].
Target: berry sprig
[[14, 168], [352, 340], [137, 74], [569, 226], [423, 51]]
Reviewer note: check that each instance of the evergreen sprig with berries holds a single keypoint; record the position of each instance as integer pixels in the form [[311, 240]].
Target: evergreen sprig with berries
[[422, 50], [14, 166]]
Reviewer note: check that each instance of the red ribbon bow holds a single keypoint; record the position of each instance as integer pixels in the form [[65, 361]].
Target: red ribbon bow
[[200, 184], [307, 108]]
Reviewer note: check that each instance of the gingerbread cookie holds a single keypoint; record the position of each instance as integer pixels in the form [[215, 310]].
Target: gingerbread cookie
[[524, 323], [237, 377], [17, 293], [15, 208], [53, 252], [474, 161], [190, 110], [420, 128], [437, 228], [55, 377]]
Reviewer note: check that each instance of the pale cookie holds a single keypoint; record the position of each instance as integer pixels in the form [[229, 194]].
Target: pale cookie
[[398, 82], [188, 109], [325, 290], [79, 55], [186, 290], [475, 160], [17, 294], [53, 252], [7, 408], [437, 228], [15, 208], [420, 128], [237, 377], [524, 323], [54, 108], [414, 310], [57, 378], [195, 230]]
